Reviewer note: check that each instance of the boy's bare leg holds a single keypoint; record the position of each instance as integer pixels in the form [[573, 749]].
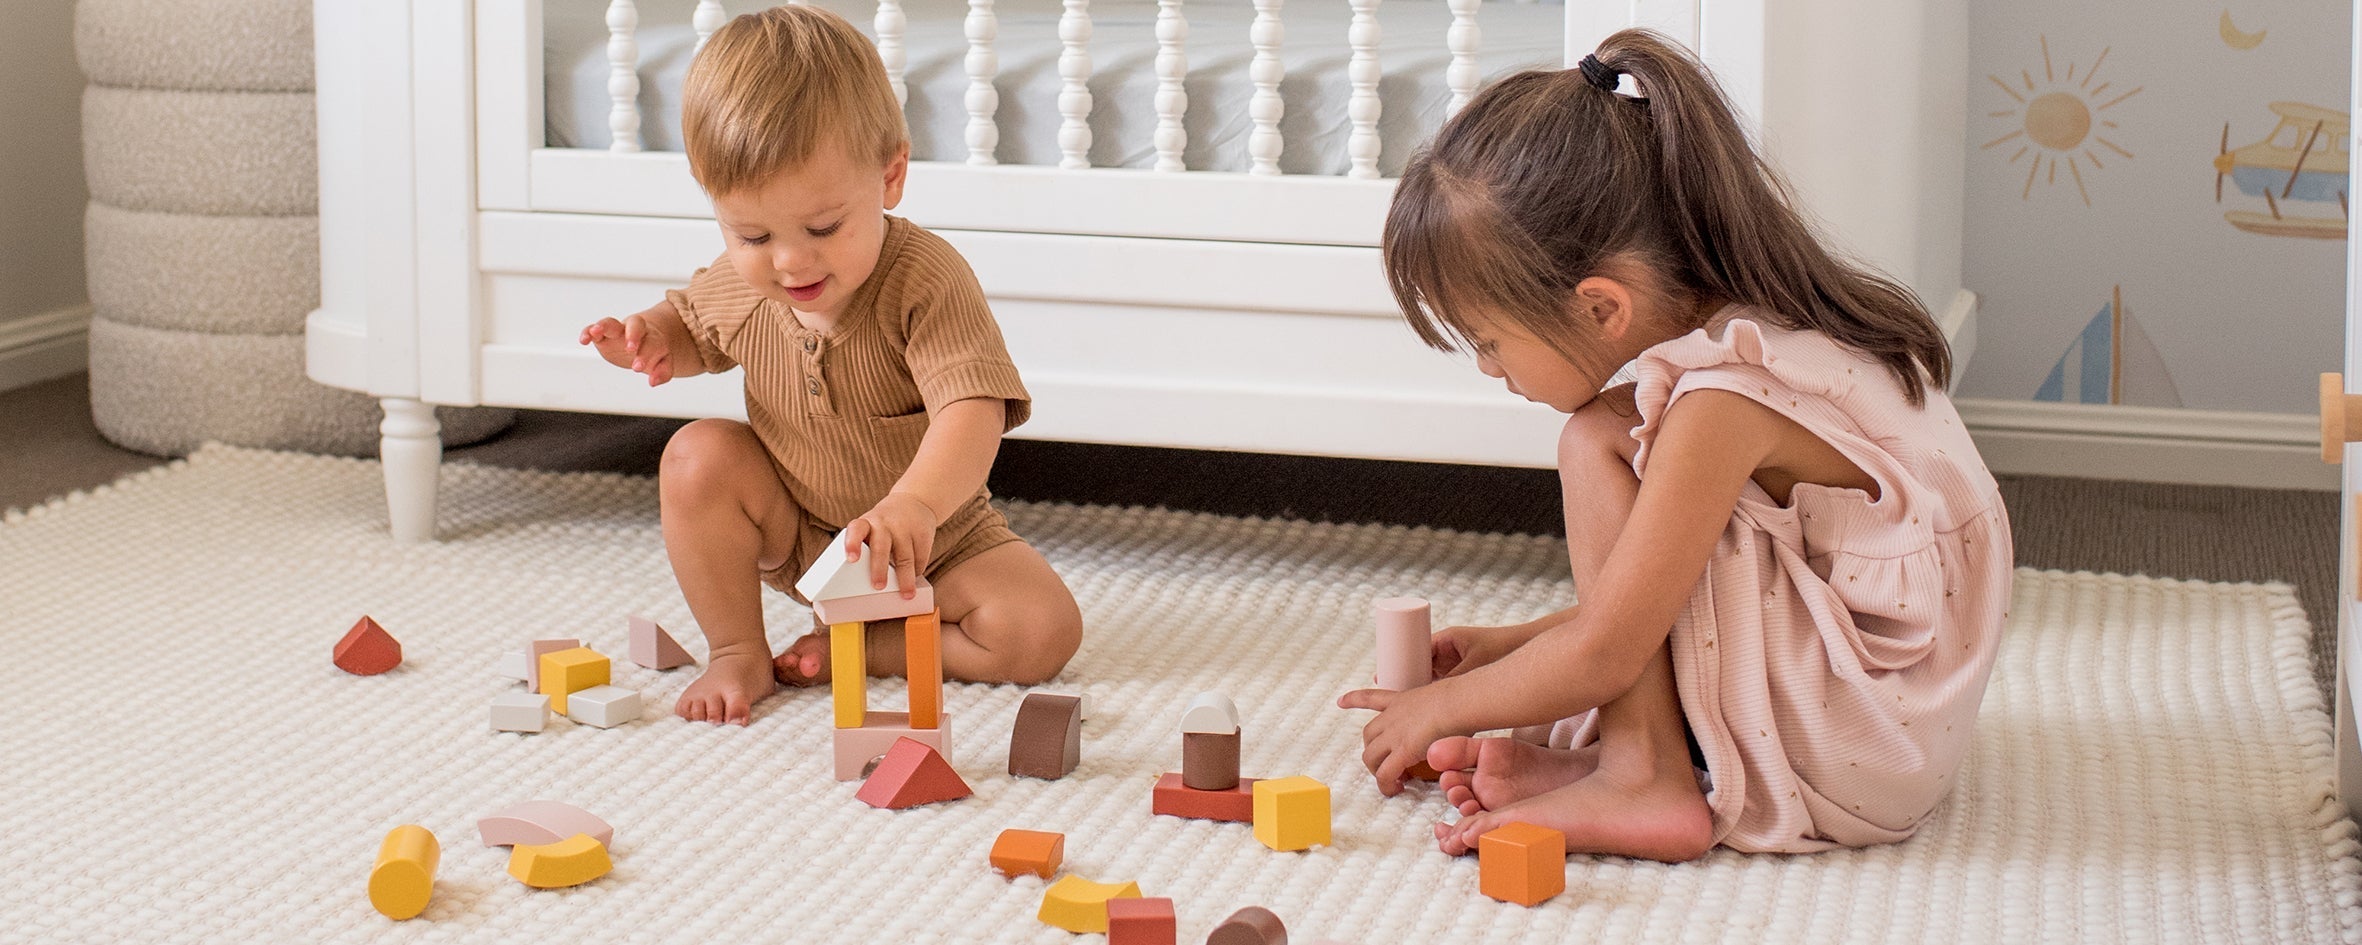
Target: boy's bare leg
[[727, 518], [1006, 618]]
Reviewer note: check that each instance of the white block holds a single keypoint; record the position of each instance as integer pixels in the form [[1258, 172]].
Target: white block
[[520, 712], [515, 666], [1210, 713], [604, 706], [831, 576]]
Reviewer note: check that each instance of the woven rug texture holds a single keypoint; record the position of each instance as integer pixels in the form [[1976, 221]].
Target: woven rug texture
[[182, 763]]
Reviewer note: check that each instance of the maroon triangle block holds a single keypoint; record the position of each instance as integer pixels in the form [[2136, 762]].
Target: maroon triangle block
[[367, 649], [911, 774]]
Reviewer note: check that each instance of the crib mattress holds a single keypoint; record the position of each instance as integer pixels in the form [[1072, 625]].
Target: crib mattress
[[1315, 127]]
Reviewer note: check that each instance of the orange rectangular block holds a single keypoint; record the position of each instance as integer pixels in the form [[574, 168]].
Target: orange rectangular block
[[1028, 851], [1180, 800], [922, 648], [1521, 863]]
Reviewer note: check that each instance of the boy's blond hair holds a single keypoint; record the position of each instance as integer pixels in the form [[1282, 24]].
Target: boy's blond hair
[[770, 89]]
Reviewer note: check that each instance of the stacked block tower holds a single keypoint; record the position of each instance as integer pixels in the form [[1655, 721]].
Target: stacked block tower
[[842, 598]]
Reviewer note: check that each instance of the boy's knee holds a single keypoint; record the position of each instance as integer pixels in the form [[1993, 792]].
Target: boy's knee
[[1044, 637], [705, 451]]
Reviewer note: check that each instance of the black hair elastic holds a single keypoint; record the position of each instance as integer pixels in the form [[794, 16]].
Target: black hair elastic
[[1601, 75]]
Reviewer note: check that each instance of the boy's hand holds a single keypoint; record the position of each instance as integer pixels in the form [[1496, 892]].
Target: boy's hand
[[629, 344], [1408, 722], [900, 532]]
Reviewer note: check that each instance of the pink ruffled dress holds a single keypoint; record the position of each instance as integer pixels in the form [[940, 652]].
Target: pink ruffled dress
[[1831, 660]]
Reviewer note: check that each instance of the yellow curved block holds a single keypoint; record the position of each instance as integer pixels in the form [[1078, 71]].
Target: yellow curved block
[[1079, 905], [404, 877], [570, 862]]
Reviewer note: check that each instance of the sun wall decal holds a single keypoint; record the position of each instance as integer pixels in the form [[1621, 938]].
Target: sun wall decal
[[2054, 121]]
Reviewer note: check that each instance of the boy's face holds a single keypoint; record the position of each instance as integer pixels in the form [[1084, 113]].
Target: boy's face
[[810, 235]]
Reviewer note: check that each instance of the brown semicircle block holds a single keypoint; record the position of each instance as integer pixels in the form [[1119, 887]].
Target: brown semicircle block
[[1047, 741], [367, 649], [1253, 925]]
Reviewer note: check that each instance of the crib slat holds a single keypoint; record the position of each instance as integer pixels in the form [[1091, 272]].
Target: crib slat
[[1464, 38], [890, 25], [623, 74], [1266, 107], [1363, 109], [1172, 98], [984, 63], [709, 17], [1074, 96]]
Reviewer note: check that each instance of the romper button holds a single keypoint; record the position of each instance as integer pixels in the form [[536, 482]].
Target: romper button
[[810, 344], [813, 386]]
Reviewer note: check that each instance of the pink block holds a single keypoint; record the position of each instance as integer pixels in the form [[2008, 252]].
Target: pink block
[[534, 823], [533, 653], [1405, 648], [883, 605], [855, 747], [652, 647]]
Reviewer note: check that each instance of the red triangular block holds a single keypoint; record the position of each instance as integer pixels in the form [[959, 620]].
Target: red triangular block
[[652, 647], [367, 649], [911, 774]]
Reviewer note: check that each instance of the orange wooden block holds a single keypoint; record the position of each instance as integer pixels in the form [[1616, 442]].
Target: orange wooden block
[[922, 650], [1521, 863], [1028, 851], [911, 774], [1180, 800], [367, 649]]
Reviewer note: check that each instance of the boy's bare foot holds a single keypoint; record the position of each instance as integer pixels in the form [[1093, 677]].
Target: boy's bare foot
[[1657, 816], [805, 663], [728, 691], [1505, 770]]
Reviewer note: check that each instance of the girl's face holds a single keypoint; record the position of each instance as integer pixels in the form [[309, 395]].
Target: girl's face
[[1533, 370]]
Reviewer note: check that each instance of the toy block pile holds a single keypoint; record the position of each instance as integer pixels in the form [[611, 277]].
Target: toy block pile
[[838, 587], [564, 677], [1287, 813], [551, 845]]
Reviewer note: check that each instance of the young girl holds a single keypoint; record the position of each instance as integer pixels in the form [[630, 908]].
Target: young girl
[[1793, 568]]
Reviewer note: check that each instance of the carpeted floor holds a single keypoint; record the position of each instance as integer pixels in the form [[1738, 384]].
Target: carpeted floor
[[2152, 764]]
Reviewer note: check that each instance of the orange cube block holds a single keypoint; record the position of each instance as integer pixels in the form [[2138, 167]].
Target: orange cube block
[[1028, 851], [1521, 863]]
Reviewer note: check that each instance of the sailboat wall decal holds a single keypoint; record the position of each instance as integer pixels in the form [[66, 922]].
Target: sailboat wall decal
[[2111, 361]]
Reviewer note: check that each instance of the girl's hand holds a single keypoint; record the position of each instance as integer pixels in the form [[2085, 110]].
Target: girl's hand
[[1407, 722], [629, 344], [900, 532], [1460, 649]]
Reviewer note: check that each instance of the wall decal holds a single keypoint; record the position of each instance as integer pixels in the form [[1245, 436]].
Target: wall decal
[[2299, 170], [2111, 361], [2055, 120], [2236, 39]]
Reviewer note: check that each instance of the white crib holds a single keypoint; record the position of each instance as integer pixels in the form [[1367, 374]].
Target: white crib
[[1173, 207]]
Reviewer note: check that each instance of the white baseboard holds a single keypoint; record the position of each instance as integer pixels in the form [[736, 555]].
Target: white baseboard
[[44, 347], [2150, 444]]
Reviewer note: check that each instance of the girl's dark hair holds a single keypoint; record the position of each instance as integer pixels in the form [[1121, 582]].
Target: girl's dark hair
[[1545, 179]]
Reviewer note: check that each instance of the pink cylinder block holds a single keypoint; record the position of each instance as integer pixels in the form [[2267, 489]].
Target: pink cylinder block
[[1405, 658]]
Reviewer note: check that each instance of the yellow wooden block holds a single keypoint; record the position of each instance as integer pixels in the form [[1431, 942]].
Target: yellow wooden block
[[1291, 813], [404, 877], [848, 672], [571, 671], [570, 862], [1079, 905]]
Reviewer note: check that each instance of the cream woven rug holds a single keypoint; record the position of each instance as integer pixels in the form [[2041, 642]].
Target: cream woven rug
[[180, 761]]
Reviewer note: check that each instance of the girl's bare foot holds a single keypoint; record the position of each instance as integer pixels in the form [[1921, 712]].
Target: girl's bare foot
[[805, 663], [1505, 770], [729, 689], [1656, 816]]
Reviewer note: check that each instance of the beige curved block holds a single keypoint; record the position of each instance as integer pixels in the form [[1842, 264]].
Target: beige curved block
[[570, 862], [541, 822]]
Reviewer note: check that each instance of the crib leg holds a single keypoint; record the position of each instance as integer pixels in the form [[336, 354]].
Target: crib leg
[[411, 447]]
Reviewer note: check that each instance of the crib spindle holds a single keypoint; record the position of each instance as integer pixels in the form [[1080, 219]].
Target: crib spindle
[[984, 63], [1074, 96], [709, 17], [623, 74], [1463, 38], [1267, 71], [1172, 98], [1363, 108], [890, 25]]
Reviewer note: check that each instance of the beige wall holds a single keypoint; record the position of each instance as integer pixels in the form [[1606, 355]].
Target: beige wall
[[41, 192]]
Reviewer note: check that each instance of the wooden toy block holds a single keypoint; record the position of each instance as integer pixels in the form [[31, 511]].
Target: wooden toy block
[[848, 683], [1082, 700], [832, 575], [1144, 921], [404, 877], [1521, 863], [1028, 851], [566, 672], [535, 650], [912, 774], [604, 706], [537, 823], [1291, 813], [1209, 762], [1253, 925], [1173, 798], [653, 648], [1405, 648], [922, 661], [520, 712], [874, 605], [855, 747], [1210, 713], [570, 862], [1080, 905], [367, 649], [517, 666], [1047, 741]]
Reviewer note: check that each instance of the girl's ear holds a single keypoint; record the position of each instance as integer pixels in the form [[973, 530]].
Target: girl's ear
[[1607, 303]]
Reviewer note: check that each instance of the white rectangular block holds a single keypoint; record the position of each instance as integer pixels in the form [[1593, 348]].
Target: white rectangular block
[[520, 712], [604, 706], [515, 666]]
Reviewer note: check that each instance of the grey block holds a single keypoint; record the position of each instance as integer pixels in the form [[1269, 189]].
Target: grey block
[[233, 153], [191, 272], [167, 392], [220, 45]]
